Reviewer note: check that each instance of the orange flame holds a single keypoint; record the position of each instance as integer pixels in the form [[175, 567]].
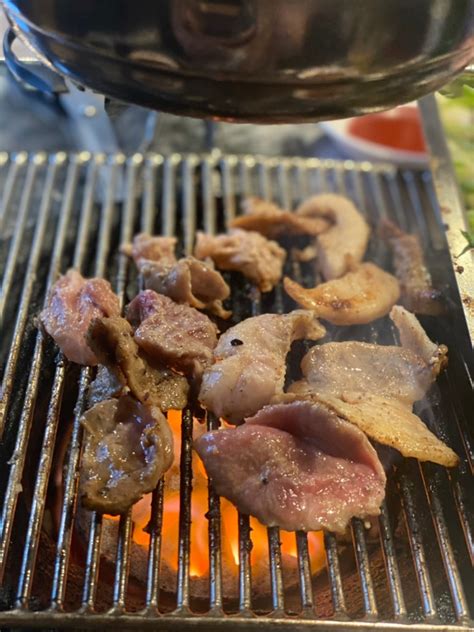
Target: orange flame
[[199, 553]]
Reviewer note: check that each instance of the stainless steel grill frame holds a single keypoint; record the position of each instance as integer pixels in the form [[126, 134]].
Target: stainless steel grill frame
[[78, 221]]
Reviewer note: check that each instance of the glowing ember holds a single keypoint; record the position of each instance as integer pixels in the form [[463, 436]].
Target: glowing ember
[[199, 554]]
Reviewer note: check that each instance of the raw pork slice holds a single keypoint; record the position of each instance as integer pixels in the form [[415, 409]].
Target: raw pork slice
[[250, 362], [72, 303], [128, 447], [296, 466]]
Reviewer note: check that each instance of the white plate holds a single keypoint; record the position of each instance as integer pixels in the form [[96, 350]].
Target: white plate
[[361, 149]]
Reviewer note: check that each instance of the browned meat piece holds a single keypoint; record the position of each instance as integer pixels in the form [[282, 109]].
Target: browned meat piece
[[250, 363], [128, 447], [72, 303], [106, 385], [270, 220], [177, 335], [189, 281], [343, 245], [112, 341], [358, 297], [417, 292], [258, 258], [413, 337], [151, 248], [296, 466], [375, 387]]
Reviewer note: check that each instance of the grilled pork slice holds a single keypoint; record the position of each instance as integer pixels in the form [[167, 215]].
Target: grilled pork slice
[[128, 447], [296, 466], [344, 244], [375, 387], [188, 280], [112, 341], [413, 337], [418, 293], [270, 220], [176, 335], [248, 252], [72, 303], [250, 363], [147, 247], [360, 296]]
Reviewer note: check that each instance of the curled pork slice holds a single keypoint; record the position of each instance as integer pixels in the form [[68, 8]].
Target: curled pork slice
[[250, 363], [248, 252], [360, 296], [72, 303], [413, 337], [417, 291], [187, 280], [296, 466], [128, 447], [375, 387], [344, 244], [196, 283], [147, 247], [112, 341], [272, 221], [176, 335]]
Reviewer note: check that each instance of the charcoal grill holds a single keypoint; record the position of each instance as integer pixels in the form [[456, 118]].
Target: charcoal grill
[[416, 573]]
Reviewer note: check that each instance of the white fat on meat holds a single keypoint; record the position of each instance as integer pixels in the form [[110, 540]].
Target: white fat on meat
[[73, 302], [250, 363], [344, 244], [296, 466], [359, 297]]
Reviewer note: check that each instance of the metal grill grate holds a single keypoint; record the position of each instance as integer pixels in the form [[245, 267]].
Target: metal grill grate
[[59, 211]]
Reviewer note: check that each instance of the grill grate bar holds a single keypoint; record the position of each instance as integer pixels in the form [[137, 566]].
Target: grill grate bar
[[304, 567], [18, 457], [363, 566], [122, 563], [335, 578], [393, 572], [417, 548], [16, 165], [228, 195], [153, 569], [20, 226], [276, 579], [185, 488], [245, 577], [22, 315], [91, 575], [215, 555], [189, 204], [46, 456], [431, 482], [150, 177], [169, 199]]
